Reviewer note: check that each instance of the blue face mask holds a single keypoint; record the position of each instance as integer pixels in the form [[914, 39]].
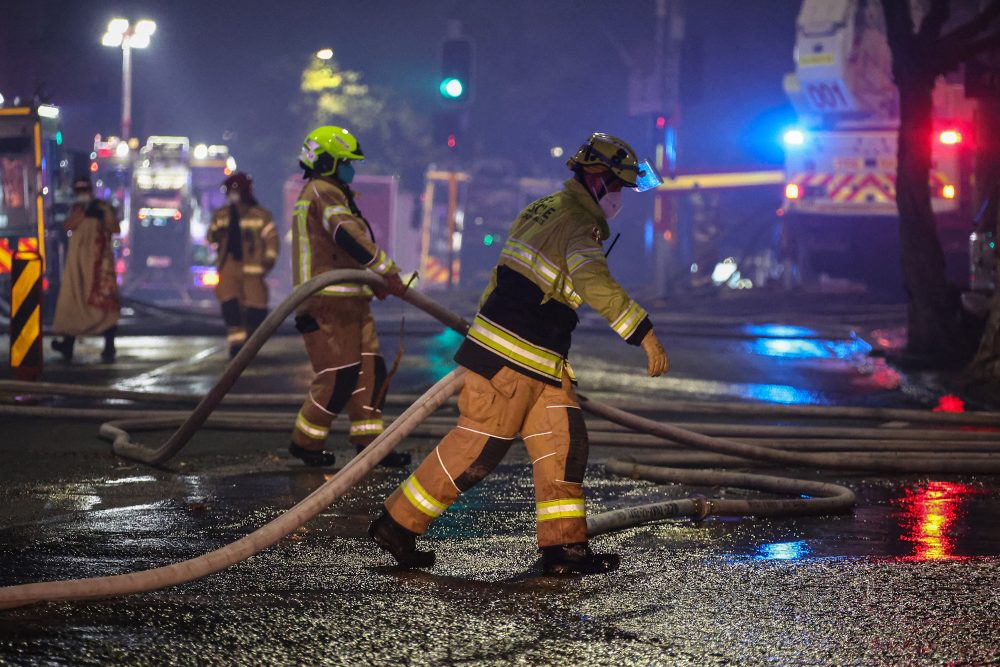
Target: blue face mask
[[345, 172]]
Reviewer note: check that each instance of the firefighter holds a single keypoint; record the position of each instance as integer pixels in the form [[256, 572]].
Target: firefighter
[[247, 247], [519, 381], [88, 294], [329, 232]]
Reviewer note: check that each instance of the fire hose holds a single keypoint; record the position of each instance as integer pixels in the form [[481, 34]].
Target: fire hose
[[810, 497]]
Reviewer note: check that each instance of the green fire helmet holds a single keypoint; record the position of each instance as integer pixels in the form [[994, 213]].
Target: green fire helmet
[[603, 151], [326, 146]]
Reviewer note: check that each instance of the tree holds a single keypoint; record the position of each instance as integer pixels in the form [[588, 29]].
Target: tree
[[919, 56], [985, 365], [395, 137]]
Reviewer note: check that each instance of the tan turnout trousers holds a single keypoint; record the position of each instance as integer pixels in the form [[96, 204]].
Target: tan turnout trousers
[[340, 339], [493, 413]]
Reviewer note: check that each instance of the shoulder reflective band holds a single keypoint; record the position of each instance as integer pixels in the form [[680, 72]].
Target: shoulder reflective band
[[545, 271]]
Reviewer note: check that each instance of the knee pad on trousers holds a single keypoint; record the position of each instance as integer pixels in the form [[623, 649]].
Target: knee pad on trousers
[[232, 314], [306, 324], [380, 373], [343, 388], [254, 318], [493, 451], [579, 447]]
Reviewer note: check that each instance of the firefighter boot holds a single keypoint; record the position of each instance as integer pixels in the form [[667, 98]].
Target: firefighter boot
[[236, 333], [109, 351], [64, 346], [567, 559], [392, 459], [315, 458], [254, 318], [399, 542]]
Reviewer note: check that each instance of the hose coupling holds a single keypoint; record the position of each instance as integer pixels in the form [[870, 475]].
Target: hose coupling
[[702, 507]]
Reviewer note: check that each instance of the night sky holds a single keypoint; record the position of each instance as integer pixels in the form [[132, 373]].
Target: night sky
[[549, 72]]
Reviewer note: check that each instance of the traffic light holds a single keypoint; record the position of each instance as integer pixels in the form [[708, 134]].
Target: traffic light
[[449, 129], [455, 84]]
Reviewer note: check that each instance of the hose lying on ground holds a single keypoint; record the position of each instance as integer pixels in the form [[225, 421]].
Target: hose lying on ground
[[827, 497], [124, 447], [824, 498], [759, 410], [866, 461], [214, 561]]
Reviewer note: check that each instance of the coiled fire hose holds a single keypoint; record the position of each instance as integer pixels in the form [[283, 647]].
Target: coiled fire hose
[[820, 498]]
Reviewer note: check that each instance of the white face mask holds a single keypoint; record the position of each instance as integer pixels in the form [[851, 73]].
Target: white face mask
[[611, 204], [234, 197]]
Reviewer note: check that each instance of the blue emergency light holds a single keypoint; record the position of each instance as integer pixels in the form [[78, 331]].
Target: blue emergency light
[[794, 137]]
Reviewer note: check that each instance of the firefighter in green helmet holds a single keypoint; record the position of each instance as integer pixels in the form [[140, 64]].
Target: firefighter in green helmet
[[329, 232]]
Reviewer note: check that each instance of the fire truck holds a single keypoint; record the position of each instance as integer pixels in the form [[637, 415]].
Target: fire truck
[[35, 191], [210, 165], [840, 159], [166, 191], [159, 236]]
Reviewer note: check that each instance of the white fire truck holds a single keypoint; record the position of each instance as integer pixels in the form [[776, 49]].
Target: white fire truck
[[839, 206], [168, 192]]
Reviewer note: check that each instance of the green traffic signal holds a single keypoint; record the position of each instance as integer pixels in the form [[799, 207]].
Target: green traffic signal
[[488, 240], [451, 88]]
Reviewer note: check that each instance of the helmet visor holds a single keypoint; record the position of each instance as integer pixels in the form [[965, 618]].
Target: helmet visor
[[647, 178]]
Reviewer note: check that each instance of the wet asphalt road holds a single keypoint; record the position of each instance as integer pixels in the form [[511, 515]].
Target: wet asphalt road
[[911, 577]]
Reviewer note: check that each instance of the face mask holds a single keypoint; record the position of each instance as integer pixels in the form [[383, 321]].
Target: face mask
[[82, 198], [234, 197], [345, 172], [611, 204]]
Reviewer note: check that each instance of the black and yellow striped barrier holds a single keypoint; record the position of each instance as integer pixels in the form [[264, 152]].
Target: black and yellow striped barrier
[[26, 315]]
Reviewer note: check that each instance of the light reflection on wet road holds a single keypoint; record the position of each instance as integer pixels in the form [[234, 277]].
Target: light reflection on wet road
[[911, 577]]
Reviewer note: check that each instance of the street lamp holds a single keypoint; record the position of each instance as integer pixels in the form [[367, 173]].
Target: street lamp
[[122, 33]]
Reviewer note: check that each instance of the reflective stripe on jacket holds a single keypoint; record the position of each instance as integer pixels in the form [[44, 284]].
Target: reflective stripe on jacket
[[327, 235], [259, 234], [552, 262]]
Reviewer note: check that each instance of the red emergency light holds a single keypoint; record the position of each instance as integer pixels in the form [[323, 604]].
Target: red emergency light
[[177, 215], [950, 137]]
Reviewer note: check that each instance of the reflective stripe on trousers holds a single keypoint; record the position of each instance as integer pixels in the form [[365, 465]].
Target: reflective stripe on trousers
[[493, 412]]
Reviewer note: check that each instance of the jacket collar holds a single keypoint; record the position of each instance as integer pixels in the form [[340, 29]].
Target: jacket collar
[[578, 192], [330, 181]]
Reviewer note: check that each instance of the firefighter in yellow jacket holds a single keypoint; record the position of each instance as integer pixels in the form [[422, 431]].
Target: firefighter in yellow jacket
[[329, 232], [519, 382], [246, 241]]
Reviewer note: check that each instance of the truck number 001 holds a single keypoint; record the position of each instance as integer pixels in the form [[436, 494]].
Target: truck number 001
[[826, 96]]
